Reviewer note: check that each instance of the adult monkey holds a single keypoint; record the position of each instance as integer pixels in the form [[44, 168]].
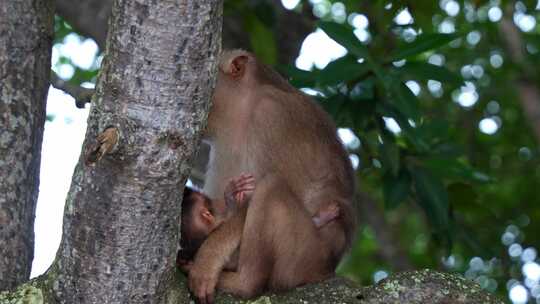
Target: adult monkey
[[260, 124]]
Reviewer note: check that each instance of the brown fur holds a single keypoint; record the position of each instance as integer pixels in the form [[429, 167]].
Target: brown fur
[[260, 124]]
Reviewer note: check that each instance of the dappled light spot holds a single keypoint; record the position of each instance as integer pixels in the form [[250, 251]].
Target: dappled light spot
[[359, 21], [404, 17], [474, 37], [515, 250], [488, 126], [399, 63], [379, 275], [290, 4], [529, 255], [494, 14], [311, 92], [392, 125], [414, 87], [447, 26], [349, 139], [493, 107], [65, 71], [496, 60], [362, 35], [355, 161], [327, 50], [476, 264], [508, 238], [466, 96], [339, 14], [524, 154], [518, 294], [321, 8], [80, 51], [525, 22], [437, 59], [451, 7], [435, 88], [449, 262]]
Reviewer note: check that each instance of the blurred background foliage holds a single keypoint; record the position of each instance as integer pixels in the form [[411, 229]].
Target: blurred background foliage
[[438, 103]]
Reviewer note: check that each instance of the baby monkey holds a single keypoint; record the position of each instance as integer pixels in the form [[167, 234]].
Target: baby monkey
[[202, 215]]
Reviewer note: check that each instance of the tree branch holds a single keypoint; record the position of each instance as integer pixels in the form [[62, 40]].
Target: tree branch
[[390, 249], [81, 95], [88, 17], [527, 89], [415, 287]]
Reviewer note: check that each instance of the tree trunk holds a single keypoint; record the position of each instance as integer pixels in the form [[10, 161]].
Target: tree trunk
[[120, 231], [26, 31]]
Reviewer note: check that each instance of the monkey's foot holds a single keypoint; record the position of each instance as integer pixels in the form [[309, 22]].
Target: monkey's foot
[[105, 142]]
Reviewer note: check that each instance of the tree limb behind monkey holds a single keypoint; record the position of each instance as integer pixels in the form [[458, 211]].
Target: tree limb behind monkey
[[260, 124]]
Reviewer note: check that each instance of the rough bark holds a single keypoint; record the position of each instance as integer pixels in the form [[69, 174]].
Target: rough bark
[[26, 30], [120, 230]]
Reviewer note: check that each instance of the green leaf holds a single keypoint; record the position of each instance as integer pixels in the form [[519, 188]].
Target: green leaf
[[300, 78], [265, 12], [422, 44], [363, 90], [389, 154], [433, 130], [454, 169], [340, 108], [344, 35], [396, 189], [404, 100], [341, 70], [410, 133], [426, 71], [432, 197], [462, 196], [261, 39], [50, 117]]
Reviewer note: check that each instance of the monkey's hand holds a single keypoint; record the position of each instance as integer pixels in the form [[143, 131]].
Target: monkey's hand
[[239, 191], [202, 283]]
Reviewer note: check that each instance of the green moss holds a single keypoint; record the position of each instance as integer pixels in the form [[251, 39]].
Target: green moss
[[25, 294]]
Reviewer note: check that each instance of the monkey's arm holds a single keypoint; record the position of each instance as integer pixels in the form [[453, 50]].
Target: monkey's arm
[[213, 255]]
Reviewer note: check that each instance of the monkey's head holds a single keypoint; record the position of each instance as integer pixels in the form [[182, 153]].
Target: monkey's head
[[235, 79], [198, 220], [240, 78]]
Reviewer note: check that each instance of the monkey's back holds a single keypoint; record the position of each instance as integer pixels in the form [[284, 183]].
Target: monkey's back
[[298, 141]]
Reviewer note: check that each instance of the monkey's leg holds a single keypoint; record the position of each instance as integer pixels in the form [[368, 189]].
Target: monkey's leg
[[280, 246]]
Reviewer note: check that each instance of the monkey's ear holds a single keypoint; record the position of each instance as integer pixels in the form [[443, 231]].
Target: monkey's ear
[[207, 216], [238, 66]]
